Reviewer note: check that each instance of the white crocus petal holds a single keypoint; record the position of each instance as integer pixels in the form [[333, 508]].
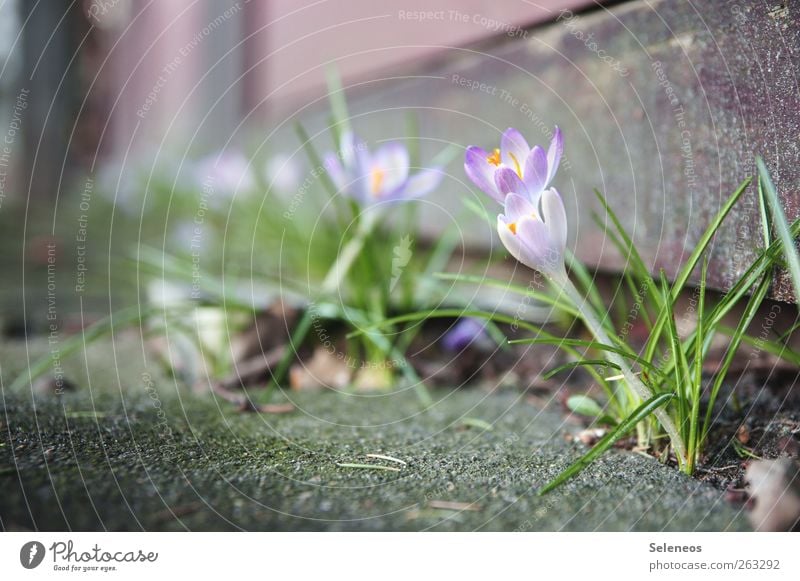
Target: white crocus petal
[[554, 153], [542, 251], [516, 207], [528, 241], [514, 150], [555, 218], [388, 169], [421, 183], [508, 236]]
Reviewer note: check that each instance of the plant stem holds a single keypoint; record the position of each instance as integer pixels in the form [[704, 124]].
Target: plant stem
[[333, 279], [563, 284], [347, 256]]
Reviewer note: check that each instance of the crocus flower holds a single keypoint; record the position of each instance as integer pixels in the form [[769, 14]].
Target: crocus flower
[[535, 234], [227, 172], [283, 173], [533, 228], [379, 176], [467, 331], [514, 166]]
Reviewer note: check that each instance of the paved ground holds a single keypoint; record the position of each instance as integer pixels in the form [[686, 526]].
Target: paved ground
[[107, 458]]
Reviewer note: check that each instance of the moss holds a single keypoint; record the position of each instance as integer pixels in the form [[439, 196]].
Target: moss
[[109, 459]]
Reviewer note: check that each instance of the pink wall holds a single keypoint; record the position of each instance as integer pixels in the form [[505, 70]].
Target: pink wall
[[293, 39], [268, 56]]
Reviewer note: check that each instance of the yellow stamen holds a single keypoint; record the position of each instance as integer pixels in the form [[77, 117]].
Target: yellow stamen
[[376, 180], [513, 228], [494, 158], [516, 164]]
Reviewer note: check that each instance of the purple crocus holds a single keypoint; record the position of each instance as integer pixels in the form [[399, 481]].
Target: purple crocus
[[514, 166], [533, 226], [467, 331], [379, 176], [227, 172], [536, 235]]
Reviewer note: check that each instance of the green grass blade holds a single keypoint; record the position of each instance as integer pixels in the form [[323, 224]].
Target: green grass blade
[[764, 212], [514, 288], [705, 239], [781, 225], [127, 317], [629, 252], [480, 211], [338, 102], [737, 336], [691, 263], [693, 443], [681, 369], [582, 363], [314, 159], [754, 275], [558, 341], [585, 280], [625, 426], [776, 348]]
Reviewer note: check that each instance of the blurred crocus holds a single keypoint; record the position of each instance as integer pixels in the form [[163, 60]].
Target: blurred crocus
[[536, 235], [283, 173], [227, 172], [514, 166], [466, 332], [379, 176]]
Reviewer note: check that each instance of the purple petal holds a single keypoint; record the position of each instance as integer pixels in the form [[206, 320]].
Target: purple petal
[[420, 183], [463, 334], [335, 171], [517, 206], [513, 149], [481, 172], [554, 153], [391, 160], [508, 181], [536, 172]]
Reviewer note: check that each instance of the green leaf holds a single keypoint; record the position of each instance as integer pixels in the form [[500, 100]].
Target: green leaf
[[560, 341], [629, 252], [584, 405], [694, 442], [480, 210], [681, 370], [477, 423], [705, 239], [514, 288], [338, 102], [585, 280], [782, 226], [124, 318], [315, 159], [581, 363], [608, 440], [689, 266]]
